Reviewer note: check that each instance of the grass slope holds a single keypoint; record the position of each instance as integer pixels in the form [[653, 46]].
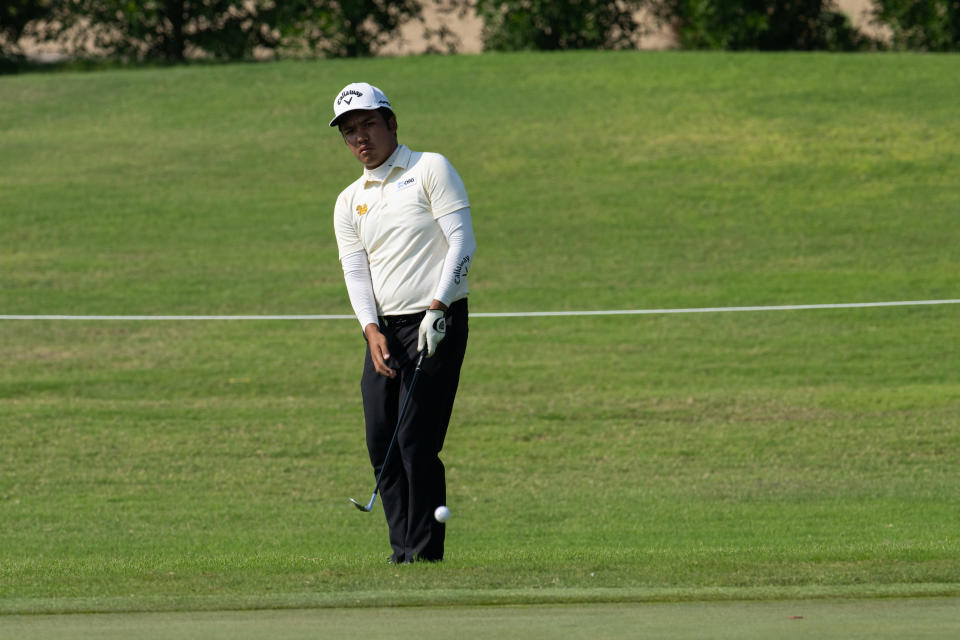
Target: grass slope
[[597, 180], [759, 455]]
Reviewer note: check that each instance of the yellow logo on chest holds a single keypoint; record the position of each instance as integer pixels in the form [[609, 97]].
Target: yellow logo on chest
[[361, 209]]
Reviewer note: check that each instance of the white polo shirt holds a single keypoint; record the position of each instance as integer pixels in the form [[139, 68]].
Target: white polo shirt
[[390, 212]]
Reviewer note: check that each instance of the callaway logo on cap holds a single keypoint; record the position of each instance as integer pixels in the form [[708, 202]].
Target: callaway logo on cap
[[358, 96]]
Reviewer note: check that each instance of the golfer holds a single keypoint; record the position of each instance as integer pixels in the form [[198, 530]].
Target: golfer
[[406, 242]]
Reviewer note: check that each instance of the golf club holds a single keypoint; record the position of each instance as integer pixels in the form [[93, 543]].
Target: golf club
[[403, 409]]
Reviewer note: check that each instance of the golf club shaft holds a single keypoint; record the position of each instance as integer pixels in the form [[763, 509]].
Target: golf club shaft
[[396, 431]]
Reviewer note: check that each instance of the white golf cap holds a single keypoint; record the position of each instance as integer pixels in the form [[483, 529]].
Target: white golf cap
[[358, 96]]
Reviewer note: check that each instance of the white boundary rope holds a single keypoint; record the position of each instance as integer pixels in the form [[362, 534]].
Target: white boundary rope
[[517, 314]]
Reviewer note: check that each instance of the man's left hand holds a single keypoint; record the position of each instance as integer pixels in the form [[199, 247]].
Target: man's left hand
[[433, 328]]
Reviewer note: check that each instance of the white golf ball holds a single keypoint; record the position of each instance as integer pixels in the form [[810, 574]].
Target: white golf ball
[[441, 513]]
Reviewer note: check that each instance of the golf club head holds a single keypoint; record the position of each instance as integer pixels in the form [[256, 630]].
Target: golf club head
[[366, 508]]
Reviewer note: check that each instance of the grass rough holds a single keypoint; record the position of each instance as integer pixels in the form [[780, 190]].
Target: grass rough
[[170, 465]]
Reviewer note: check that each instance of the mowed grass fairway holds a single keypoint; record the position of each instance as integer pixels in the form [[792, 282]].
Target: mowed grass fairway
[[928, 619], [206, 465]]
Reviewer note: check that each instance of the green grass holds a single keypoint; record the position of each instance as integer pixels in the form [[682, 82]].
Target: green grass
[[205, 465], [933, 618], [597, 180], [201, 460]]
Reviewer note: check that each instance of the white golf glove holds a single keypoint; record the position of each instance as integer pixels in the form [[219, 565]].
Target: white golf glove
[[433, 328]]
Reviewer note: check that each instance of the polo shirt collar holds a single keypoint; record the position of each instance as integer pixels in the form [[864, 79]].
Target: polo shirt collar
[[400, 158]]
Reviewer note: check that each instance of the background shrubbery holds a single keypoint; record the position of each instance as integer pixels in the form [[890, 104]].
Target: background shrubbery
[[516, 25], [803, 25], [175, 30], [925, 25]]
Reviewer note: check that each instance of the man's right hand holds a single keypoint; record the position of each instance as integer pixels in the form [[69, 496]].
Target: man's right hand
[[379, 353]]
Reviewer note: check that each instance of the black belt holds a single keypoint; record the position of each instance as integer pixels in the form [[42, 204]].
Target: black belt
[[417, 318], [402, 321]]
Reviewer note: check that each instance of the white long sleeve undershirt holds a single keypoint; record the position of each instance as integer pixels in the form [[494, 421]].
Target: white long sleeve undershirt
[[457, 228], [356, 275]]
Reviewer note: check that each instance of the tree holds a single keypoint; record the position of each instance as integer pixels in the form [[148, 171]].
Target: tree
[[759, 24], [167, 30], [926, 25], [512, 25], [15, 16], [347, 29], [173, 30]]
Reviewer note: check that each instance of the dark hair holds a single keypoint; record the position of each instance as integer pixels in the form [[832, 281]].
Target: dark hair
[[386, 113]]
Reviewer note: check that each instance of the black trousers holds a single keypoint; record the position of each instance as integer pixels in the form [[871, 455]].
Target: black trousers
[[414, 481]]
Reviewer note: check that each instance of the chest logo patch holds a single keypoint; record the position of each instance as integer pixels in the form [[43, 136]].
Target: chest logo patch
[[361, 209], [405, 183]]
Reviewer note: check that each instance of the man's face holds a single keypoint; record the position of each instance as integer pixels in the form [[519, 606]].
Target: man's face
[[370, 137]]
